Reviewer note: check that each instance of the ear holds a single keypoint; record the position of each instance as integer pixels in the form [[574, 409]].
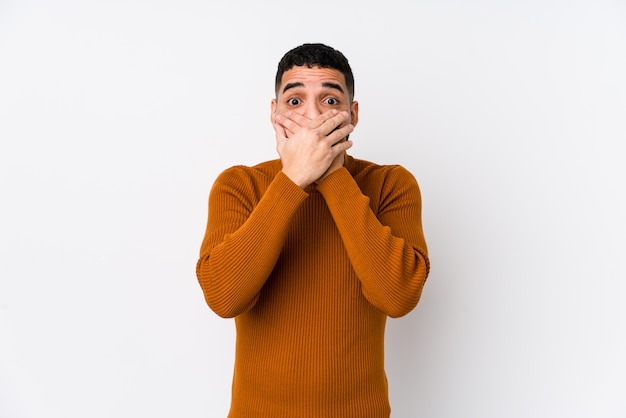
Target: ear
[[273, 113], [354, 112]]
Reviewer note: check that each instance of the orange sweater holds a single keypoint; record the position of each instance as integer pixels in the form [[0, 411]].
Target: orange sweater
[[310, 277]]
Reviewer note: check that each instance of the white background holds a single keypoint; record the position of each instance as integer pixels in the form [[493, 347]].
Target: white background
[[116, 117]]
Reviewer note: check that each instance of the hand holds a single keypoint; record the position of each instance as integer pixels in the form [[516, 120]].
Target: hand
[[312, 149]]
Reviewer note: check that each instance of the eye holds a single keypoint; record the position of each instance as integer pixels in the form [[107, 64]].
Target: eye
[[332, 101], [293, 101]]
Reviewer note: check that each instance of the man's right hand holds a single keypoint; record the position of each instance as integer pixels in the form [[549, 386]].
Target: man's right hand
[[308, 148]]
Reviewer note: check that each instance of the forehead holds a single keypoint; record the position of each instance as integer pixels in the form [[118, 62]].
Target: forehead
[[312, 77]]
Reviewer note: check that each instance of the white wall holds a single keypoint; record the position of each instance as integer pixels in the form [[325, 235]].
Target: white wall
[[116, 116]]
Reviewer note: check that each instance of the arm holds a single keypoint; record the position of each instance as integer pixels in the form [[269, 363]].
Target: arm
[[244, 237], [245, 233], [387, 249]]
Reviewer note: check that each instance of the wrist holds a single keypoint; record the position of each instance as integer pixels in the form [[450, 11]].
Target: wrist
[[298, 180]]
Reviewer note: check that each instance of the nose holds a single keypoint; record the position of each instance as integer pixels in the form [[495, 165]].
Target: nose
[[312, 110]]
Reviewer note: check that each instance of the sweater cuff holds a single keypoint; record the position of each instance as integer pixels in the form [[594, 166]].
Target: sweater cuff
[[283, 186], [337, 180]]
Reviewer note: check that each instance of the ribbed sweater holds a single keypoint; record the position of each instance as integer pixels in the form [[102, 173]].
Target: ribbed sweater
[[310, 277]]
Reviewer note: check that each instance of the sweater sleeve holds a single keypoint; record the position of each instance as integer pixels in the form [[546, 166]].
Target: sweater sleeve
[[245, 232], [387, 249]]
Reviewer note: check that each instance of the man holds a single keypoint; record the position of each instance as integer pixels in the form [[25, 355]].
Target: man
[[311, 252]]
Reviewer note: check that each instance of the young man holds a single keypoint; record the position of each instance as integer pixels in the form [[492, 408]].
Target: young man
[[310, 253]]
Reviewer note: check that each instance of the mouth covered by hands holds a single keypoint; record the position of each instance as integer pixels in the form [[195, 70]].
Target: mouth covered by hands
[[311, 149]]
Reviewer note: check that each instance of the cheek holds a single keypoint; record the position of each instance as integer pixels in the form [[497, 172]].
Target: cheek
[[282, 109]]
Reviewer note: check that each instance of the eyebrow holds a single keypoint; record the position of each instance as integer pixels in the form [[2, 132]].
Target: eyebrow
[[332, 86], [292, 86], [327, 85]]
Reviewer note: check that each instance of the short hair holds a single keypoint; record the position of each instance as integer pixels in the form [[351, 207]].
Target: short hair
[[316, 55]]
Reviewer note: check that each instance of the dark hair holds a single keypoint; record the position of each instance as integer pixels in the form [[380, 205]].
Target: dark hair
[[316, 55]]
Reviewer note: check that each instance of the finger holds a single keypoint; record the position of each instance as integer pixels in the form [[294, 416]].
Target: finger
[[287, 123], [341, 146], [332, 120], [339, 134], [301, 120]]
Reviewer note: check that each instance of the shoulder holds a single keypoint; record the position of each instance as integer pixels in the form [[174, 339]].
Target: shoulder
[[388, 186], [245, 183], [369, 172], [262, 172], [384, 184]]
